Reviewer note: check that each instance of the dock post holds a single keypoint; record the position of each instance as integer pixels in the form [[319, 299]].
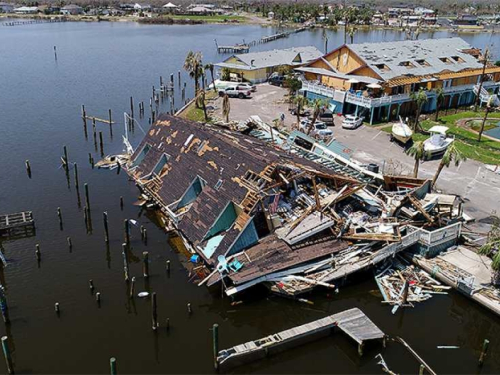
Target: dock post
[[87, 200], [154, 315], [91, 285], [37, 253], [126, 227], [59, 215], [167, 324], [101, 144], [190, 310], [486, 344], [65, 150], [142, 232], [98, 298], [76, 177], [131, 107], [112, 365], [421, 370], [86, 217], [106, 233], [70, 244], [125, 262], [406, 287], [360, 349], [57, 308], [145, 264], [179, 77], [145, 236], [94, 131], [161, 81], [6, 353], [132, 287], [215, 340], [121, 203], [28, 168], [3, 305]]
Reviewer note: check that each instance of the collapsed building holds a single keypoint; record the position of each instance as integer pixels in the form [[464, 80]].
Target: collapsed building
[[287, 212]]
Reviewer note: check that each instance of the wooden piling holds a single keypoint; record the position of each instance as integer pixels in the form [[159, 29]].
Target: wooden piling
[[28, 168], [131, 107], [190, 310], [70, 244], [360, 349], [57, 308], [98, 298], [7, 355], [132, 287], [91, 285], [142, 232], [92, 161], [112, 365], [86, 217], [106, 232], [38, 253], [125, 262], [65, 158], [126, 227], [179, 77], [94, 131], [76, 176], [154, 314], [484, 351], [59, 215], [145, 236], [421, 370], [167, 324], [101, 143], [145, 264], [121, 203], [87, 200], [406, 287], [215, 340], [161, 81], [119, 167], [4, 306], [168, 266]]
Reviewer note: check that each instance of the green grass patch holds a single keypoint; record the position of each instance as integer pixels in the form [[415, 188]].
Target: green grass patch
[[476, 125], [196, 114], [214, 18]]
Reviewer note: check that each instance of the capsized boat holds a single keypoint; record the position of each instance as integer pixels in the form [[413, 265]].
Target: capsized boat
[[401, 131], [438, 142]]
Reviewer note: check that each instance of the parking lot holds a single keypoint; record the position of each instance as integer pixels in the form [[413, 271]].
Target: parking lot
[[477, 185]]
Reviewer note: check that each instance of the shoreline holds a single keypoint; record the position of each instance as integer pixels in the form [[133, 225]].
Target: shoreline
[[244, 19]]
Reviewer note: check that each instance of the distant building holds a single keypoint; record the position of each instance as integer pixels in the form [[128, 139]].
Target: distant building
[[203, 10], [142, 7], [466, 20], [170, 8], [6, 8], [399, 11], [26, 10], [270, 15], [258, 66], [71, 9]]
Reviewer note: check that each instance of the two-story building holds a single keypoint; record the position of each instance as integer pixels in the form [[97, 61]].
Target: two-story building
[[376, 80]]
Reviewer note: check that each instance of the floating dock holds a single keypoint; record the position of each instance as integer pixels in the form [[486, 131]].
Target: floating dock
[[21, 223], [353, 322]]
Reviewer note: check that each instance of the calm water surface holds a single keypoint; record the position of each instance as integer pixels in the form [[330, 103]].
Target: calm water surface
[[101, 65]]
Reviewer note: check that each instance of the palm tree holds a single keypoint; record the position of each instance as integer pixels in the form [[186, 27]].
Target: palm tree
[[318, 105], [200, 102], [486, 111], [210, 68], [225, 74], [416, 151], [194, 67], [452, 154], [420, 98], [352, 30], [226, 107], [439, 100], [300, 102], [492, 249]]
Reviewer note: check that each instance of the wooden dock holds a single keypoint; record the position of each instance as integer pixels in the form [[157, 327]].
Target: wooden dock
[[238, 48], [17, 224], [353, 322]]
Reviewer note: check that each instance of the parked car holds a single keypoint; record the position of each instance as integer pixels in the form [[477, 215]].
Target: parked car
[[235, 92], [277, 80], [320, 128], [303, 113], [352, 122], [327, 117], [247, 86]]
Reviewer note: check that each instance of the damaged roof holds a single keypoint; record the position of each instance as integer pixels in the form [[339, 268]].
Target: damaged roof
[[416, 57]]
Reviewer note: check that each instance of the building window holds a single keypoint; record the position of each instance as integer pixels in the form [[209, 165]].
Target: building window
[[160, 165], [218, 185], [458, 59], [382, 67], [423, 62], [406, 64], [445, 60]]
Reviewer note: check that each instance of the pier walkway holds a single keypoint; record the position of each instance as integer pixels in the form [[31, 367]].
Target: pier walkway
[[353, 322], [11, 224]]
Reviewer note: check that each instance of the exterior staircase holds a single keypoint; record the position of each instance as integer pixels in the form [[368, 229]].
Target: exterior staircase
[[485, 96]]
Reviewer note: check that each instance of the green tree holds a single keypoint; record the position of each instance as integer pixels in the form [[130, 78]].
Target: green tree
[[492, 249], [439, 101], [318, 105], [284, 70], [225, 74], [300, 103], [417, 152], [451, 155], [194, 67], [293, 85], [226, 108], [210, 68], [419, 98]]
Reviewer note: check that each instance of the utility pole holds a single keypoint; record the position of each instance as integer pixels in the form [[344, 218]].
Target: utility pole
[[485, 61]]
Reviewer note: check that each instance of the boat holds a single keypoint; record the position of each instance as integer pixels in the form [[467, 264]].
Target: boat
[[401, 132], [438, 142]]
